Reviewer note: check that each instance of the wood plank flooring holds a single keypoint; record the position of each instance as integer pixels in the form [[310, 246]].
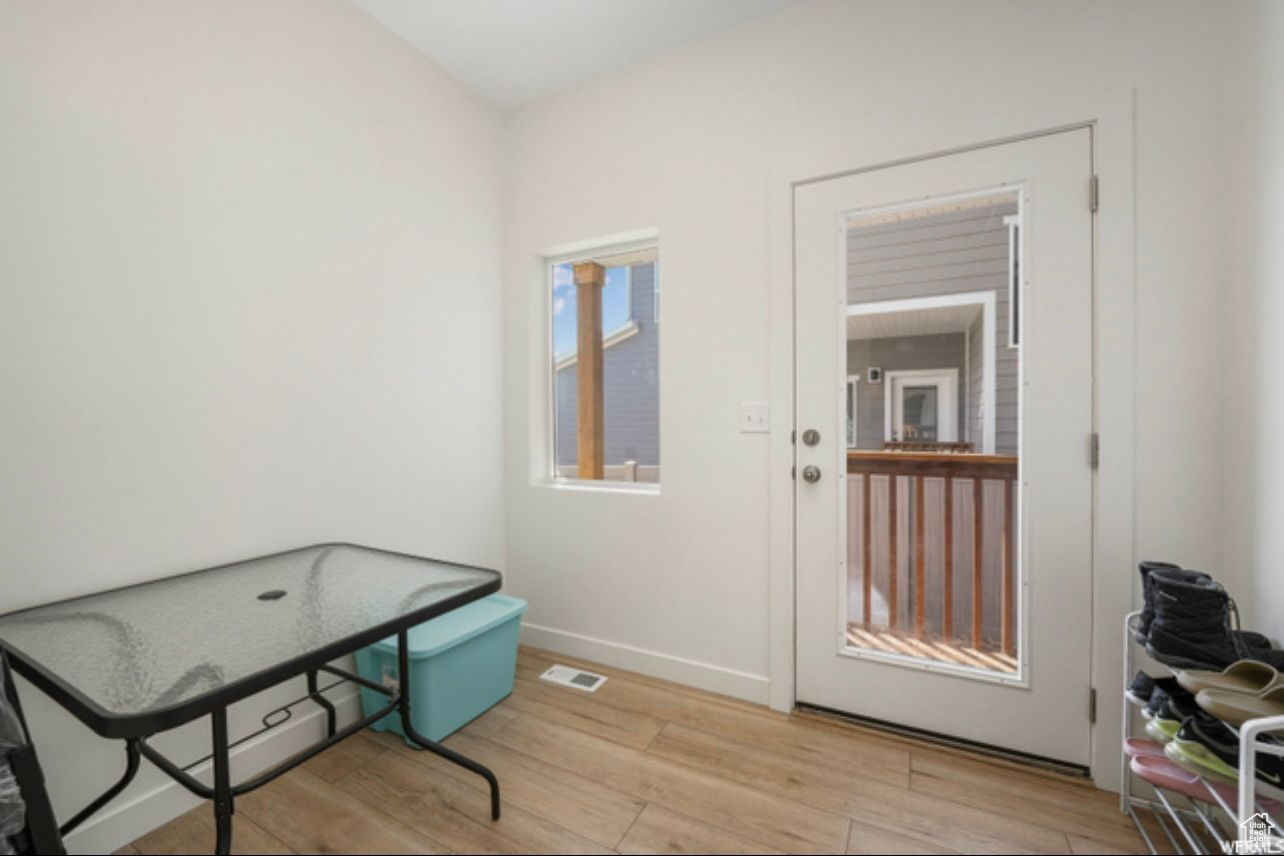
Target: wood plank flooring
[[645, 766]]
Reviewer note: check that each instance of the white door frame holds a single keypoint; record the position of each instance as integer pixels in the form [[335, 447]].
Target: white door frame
[[988, 303], [946, 382], [1110, 118]]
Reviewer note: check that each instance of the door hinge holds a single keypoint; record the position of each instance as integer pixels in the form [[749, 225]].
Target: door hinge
[[1094, 194], [1094, 450], [1092, 706]]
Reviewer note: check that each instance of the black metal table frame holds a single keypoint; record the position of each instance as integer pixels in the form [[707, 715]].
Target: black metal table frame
[[136, 729]]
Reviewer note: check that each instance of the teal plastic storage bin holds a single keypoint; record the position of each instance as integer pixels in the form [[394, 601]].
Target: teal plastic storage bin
[[462, 664]]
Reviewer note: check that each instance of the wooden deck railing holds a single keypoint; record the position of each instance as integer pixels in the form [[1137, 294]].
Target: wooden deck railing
[[914, 471]]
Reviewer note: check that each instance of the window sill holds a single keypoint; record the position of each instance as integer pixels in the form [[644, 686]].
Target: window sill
[[601, 486]]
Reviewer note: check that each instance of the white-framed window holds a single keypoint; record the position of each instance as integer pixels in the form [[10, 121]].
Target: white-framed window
[[613, 435]]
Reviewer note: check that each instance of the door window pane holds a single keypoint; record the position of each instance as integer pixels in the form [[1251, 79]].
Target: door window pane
[[932, 469], [919, 408]]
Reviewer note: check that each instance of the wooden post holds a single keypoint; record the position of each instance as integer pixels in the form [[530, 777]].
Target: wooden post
[[1008, 607], [920, 560], [868, 537], [978, 556], [590, 421], [893, 607], [948, 620]]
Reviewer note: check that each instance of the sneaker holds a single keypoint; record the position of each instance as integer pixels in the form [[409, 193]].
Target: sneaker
[[1170, 716], [1202, 747], [1139, 690], [1211, 749], [1163, 688]]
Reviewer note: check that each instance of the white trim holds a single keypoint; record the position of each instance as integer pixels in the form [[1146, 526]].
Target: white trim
[[989, 374], [929, 301], [913, 209], [619, 334], [655, 289], [946, 382], [1020, 679], [1111, 117], [602, 485], [988, 301], [967, 373], [607, 245], [124, 821], [705, 676]]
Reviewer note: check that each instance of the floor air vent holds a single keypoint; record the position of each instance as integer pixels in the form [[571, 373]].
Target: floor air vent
[[576, 679]]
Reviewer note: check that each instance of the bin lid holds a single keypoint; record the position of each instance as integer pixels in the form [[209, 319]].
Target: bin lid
[[456, 627]]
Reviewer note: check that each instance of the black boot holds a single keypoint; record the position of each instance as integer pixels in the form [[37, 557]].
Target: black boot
[[1255, 643], [1192, 624], [1148, 593]]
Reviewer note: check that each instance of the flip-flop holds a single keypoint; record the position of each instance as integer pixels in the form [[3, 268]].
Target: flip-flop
[[1236, 708], [1242, 676], [1139, 747], [1163, 773]]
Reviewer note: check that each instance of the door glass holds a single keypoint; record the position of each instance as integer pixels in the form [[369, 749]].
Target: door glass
[[919, 409], [932, 497]]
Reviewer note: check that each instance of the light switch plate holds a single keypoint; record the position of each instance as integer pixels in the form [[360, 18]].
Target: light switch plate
[[754, 417]]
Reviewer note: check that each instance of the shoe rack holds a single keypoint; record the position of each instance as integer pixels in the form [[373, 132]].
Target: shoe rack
[[1190, 825]]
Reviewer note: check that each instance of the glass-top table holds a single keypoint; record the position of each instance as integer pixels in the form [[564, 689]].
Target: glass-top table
[[135, 661]]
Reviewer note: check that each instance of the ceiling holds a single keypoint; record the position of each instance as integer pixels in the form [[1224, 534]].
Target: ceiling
[[511, 52], [912, 322]]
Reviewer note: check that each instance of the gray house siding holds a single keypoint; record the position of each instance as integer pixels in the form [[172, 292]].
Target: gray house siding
[[631, 382], [944, 351], [951, 253]]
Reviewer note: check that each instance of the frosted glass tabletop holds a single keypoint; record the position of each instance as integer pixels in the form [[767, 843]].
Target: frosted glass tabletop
[[157, 646]]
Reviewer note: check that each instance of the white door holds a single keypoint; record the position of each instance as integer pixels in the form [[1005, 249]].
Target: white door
[[947, 588], [922, 405]]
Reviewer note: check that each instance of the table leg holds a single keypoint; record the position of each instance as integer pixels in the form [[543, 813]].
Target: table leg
[[403, 674], [222, 783], [330, 717], [132, 758]]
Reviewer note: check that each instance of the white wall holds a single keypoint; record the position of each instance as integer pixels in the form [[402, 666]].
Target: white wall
[[1254, 318], [239, 242], [249, 299], [688, 142]]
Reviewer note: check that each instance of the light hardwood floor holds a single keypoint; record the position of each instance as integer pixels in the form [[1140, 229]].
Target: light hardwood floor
[[645, 766]]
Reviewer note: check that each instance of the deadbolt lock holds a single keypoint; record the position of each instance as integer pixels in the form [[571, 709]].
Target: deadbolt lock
[[811, 436]]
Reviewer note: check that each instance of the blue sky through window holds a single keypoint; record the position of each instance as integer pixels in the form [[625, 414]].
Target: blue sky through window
[[615, 306]]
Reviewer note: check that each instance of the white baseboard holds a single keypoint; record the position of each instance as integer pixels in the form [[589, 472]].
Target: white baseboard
[[705, 676], [128, 818]]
